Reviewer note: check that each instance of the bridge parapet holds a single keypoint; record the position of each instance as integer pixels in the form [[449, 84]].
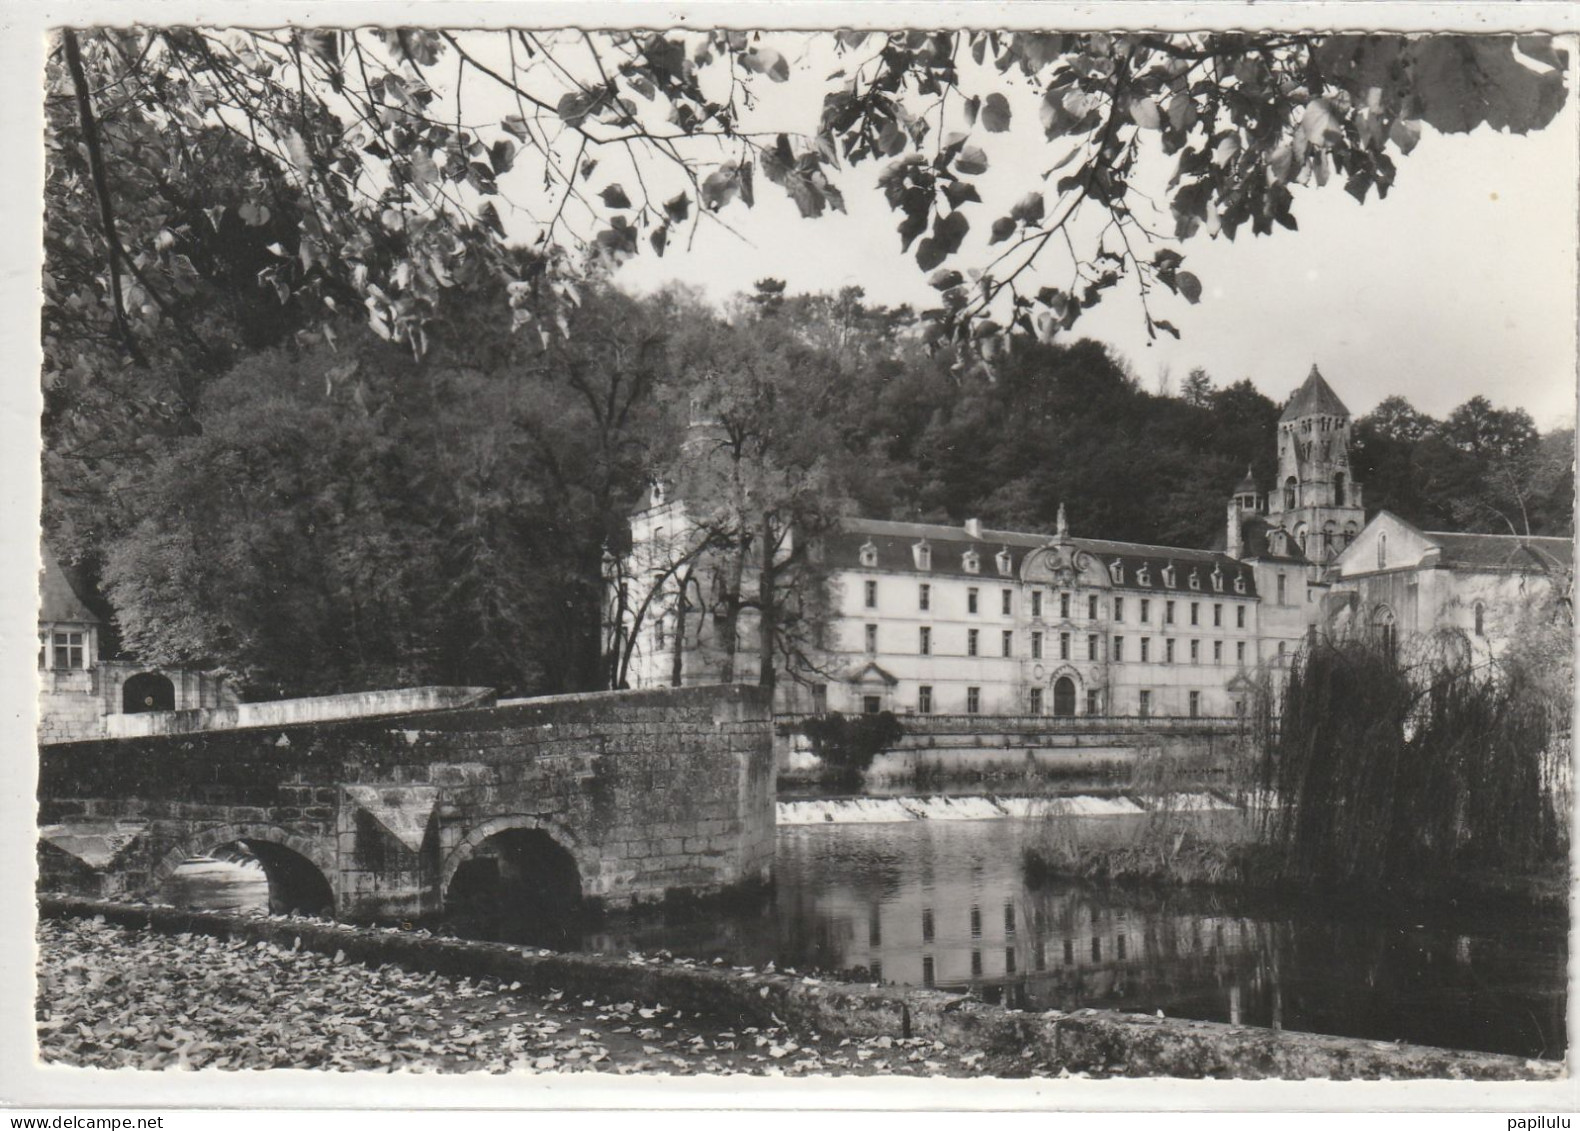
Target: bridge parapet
[[649, 791]]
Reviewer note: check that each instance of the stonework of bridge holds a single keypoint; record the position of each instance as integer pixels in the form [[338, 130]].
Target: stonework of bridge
[[628, 796]]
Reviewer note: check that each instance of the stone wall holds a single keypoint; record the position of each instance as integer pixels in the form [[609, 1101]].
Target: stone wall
[[652, 792]]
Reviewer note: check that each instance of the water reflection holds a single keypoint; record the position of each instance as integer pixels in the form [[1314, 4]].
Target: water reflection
[[944, 904]]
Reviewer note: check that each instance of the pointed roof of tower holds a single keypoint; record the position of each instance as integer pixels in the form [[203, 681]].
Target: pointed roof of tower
[[1313, 398], [1248, 484]]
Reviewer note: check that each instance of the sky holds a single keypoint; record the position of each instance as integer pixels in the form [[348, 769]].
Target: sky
[[1460, 283]]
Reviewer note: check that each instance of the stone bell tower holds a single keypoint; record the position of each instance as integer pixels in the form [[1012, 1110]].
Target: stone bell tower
[[1315, 498]]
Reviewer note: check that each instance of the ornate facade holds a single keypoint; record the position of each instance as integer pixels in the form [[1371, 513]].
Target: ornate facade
[[936, 619]]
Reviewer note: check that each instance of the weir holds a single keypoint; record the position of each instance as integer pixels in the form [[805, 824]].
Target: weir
[[640, 794]]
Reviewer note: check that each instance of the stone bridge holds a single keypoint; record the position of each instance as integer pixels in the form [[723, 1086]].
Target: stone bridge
[[618, 797]]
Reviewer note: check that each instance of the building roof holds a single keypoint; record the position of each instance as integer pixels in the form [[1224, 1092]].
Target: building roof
[[1255, 542], [59, 600], [1248, 484], [1501, 552], [1313, 398], [894, 542]]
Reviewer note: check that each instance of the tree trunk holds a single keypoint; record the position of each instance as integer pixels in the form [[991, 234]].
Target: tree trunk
[[766, 612], [732, 614], [677, 663]]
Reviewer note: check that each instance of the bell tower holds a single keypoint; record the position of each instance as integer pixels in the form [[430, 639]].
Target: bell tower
[[1315, 498]]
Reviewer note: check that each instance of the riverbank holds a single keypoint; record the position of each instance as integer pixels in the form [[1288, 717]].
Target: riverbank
[[461, 985]]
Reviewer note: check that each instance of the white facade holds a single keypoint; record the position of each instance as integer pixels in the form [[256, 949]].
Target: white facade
[[961, 620]]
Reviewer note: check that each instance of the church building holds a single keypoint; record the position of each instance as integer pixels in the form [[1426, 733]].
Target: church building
[[933, 619]]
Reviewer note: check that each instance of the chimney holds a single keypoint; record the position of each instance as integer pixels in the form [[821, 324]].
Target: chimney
[[974, 527], [1062, 526], [1234, 546]]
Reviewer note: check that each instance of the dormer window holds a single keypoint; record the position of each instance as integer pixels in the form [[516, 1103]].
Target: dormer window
[[971, 561], [1144, 575], [1005, 562], [1195, 580], [869, 555], [1239, 583], [1116, 571], [1169, 577], [1217, 579], [658, 494], [922, 553]]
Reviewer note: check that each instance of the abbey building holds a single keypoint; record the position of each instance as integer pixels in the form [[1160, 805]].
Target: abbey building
[[960, 620]]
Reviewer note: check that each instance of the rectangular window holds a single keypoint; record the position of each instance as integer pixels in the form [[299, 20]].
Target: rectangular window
[[1005, 597], [1007, 643], [1145, 704], [1036, 645], [1064, 605], [1146, 610], [1195, 704], [924, 699], [1091, 647], [1195, 651], [1168, 612], [927, 924], [1035, 703], [820, 698], [971, 600], [971, 641], [1168, 651], [70, 649], [1217, 651], [924, 597], [871, 704], [1036, 603], [973, 700], [871, 638], [1217, 616], [658, 633], [1119, 649], [1195, 612], [1239, 652], [1119, 609], [1092, 704], [1146, 648], [1064, 645], [1239, 616], [1091, 608], [924, 640], [1280, 589], [872, 594]]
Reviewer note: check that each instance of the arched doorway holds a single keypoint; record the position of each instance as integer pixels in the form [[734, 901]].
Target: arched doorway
[[520, 886], [1064, 696], [148, 691]]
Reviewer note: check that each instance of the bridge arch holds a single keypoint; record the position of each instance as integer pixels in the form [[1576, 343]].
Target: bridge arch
[[516, 878], [302, 870], [475, 837]]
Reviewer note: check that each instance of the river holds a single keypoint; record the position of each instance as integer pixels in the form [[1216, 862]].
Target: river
[[944, 903]]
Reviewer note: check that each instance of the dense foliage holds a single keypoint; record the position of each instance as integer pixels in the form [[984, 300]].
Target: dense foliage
[[370, 161], [847, 744], [338, 518]]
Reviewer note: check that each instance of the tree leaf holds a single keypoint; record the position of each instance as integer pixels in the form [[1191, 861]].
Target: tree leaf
[[614, 196], [1029, 210], [1189, 286], [996, 113], [971, 161], [1144, 113]]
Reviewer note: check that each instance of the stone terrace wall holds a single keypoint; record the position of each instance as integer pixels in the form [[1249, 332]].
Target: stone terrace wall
[[651, 792]]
